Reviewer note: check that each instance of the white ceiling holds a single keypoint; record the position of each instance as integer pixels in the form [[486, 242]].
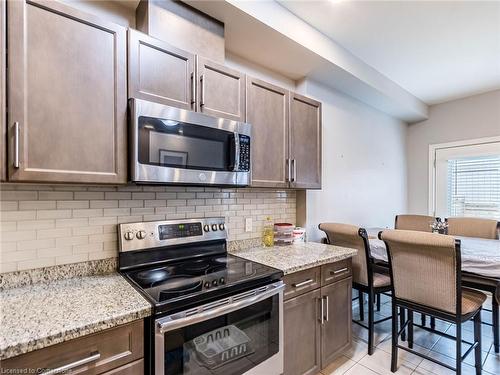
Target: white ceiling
[[436, 50]]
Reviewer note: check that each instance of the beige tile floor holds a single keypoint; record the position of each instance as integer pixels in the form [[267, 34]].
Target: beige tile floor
[[356, 361]]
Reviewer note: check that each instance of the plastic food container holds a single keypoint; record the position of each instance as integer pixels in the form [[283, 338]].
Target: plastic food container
[[283, 234], [222, 345], [299, 235]]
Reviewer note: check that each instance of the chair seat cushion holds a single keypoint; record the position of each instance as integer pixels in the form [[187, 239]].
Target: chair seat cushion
[[380, 280], [483, 283], [472, 300]]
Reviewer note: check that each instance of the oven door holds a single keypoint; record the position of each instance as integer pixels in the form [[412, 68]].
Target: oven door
[[242, 334], [171, 145]]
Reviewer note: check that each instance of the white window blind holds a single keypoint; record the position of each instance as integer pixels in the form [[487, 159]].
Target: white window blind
[[473, 187]]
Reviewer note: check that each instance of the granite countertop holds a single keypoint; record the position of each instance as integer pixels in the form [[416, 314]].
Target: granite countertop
[[39, 315], [296, 257]]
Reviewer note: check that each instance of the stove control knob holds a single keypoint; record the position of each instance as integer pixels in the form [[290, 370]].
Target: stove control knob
[[214, 283], [206, 228], [222, 280], [207, 285], [221, 226], [129, 236], [141, 235], [214, 227]]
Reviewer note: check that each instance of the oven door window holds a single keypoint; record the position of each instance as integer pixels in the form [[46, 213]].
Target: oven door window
[[230, 344], [183, 145]]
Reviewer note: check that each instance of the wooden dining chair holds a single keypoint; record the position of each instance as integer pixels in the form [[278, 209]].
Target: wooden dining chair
[[473, 227], [487, 229], [366, 279], [425, 271], [419, 223]]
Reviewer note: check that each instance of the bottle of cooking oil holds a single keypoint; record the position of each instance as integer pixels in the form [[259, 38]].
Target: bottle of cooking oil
[[268, 232]]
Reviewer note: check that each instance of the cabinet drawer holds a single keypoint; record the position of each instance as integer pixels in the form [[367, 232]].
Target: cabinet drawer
[[134, 368], [332, 272], [96, 353], [301, 282]]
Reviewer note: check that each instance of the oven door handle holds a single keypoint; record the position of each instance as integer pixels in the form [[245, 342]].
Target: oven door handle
[[219, 308]]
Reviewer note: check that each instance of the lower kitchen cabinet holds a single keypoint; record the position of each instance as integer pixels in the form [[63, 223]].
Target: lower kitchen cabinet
[[317, 317], [133, 368], [117, 351], [336, 329], [302, 334]]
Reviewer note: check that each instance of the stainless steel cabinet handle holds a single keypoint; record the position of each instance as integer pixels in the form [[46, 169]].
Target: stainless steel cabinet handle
[[303, 283], [322, 317], [16, 144], [202, 93], [294, 178], [325, 298], [193, 91], [339, 271], [65, 368]]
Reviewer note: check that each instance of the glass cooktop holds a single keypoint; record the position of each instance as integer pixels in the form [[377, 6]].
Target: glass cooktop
[[188, 279]]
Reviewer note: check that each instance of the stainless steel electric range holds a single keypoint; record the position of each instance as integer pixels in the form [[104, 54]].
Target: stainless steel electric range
[[213, 313]]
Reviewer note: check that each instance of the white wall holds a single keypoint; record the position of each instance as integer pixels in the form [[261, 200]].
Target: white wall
[[364, 157], [364, 164], [473, 117]]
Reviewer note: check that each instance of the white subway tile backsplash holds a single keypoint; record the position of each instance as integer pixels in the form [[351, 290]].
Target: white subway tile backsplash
[[46, 225], [54, 233], [55, 195], [17, 215], [53, 214], [13, 195], [89, 195], [8, 205], [72, 204]]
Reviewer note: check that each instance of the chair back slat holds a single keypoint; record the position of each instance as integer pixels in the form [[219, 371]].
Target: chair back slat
[[424, 268], [346, 235], [473, 227], [419, 223]]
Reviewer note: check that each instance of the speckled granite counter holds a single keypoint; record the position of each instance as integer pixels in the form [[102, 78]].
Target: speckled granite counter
[[39, 315], [296, 257]]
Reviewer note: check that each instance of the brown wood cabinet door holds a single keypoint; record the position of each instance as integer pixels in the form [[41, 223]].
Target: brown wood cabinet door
[[67, 91], [302, 334], [3, 109], [336, 329], [305, 142], [221, 90], [267, 111], [103, 351], [133, 368], [159, 72]]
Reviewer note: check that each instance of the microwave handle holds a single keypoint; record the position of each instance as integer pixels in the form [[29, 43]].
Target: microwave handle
[[234, 153]]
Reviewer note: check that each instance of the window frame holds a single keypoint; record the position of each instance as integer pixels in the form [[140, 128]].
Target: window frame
[[433, 148]]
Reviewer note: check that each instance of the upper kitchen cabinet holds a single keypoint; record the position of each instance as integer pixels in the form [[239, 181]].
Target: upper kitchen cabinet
[[305, 142], [67, 95], [267, 111], [221, 90], [160, 72], [3, 109]]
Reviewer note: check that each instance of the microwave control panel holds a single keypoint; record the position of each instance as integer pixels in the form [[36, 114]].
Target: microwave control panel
[[244, 162]]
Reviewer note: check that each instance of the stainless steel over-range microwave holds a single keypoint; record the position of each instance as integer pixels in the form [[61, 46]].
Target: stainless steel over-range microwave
[[174, 146]]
